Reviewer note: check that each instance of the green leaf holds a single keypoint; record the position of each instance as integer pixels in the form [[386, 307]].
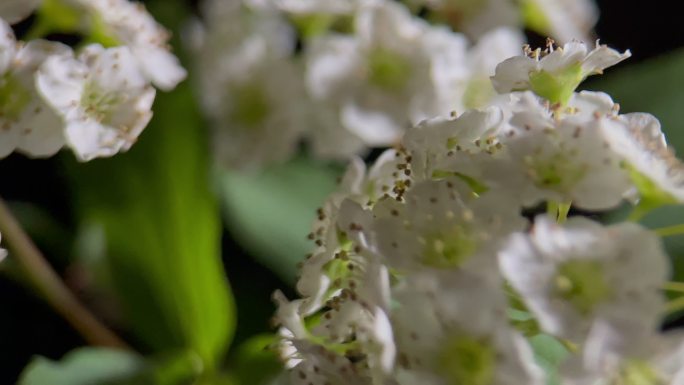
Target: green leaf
[[549, 353], [162, 228], [271, 213], [86, 366]]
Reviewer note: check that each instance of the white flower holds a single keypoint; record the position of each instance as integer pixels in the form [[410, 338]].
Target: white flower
[[660, 361], [263, 115], [556, 72], [653, 167], [461, 74], [583, 276], [14, 11], [560, 155], [354, 326], [564, 20], [340, 256], [131, 25], [317, 7], [454, 331], [475, 18], [381, 76], [442, 147], [326, 135], [27, 124], [250, 85], [102, 96], [438, 228]]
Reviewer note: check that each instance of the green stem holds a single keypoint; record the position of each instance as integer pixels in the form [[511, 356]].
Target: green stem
[[558, 211], [50, 286], [674, 286], [675, 305], [670, 230]]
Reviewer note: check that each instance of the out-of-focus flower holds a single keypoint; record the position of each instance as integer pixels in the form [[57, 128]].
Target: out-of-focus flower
[[14, 11], [575, 276]]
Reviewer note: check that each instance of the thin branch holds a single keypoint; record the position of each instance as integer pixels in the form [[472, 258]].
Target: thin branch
[[50, 285]]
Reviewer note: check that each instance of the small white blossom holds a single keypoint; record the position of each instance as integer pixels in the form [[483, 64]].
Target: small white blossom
[[250, 86], [561, 155], [556, 72], [564, 20], [475, 18], [14, 11], [381, 76], [660, 361], [583, 275], [454, 331], [436, 227], [442, 147], [652, 165], [131, 25], [339, 257], [102, 96], [27, 123]]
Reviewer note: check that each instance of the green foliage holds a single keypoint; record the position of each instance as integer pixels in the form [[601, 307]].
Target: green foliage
[[162, 229], [87, 366], [549, 353], [271, 213]]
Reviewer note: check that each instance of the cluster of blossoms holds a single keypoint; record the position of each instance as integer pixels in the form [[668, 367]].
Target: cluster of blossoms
[[347, 75], [95, 98], [431, 267]]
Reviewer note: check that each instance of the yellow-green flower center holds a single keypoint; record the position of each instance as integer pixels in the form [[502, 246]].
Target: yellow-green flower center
[[467, 360], [638, 373], [478, 92], [558, 172], [583, 284], [557, 87], [251, 106], [13, 97], [98, 103], [387, 70], [449, 249]]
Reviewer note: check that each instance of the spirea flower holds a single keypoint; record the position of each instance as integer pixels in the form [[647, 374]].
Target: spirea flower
[[576, 275], [555, 72], [103, 98], [27, 123], [427, 269]]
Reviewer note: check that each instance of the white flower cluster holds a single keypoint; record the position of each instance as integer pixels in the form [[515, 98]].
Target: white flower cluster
[[425, 263], [341, 75], [95, 100], [346, 75]]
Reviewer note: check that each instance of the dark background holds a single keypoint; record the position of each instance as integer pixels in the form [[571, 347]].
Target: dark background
[[28, 327]]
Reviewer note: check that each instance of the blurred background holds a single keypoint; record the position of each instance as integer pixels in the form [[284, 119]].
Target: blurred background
[[163, 178]]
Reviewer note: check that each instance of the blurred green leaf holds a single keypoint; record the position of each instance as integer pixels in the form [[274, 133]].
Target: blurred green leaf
[[86, 366], [271, 213], [162, 229], [549, 353]]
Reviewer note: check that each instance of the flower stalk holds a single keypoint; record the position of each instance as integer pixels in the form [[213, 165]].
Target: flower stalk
[[50, 286]]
